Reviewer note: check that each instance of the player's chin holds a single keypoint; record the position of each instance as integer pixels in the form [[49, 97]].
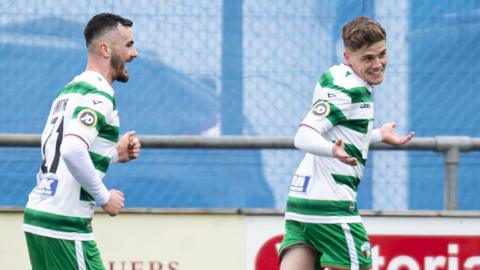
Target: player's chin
[[123, 77], [374, 80]]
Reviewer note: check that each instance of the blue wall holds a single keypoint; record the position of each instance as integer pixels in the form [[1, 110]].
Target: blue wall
[[244, 68]]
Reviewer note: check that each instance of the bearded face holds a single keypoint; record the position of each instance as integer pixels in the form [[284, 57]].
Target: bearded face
[[120, 72], [122, 51]]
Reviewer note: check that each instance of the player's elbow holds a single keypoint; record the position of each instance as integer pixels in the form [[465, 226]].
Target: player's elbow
[[299, 140], [72, 147], [67, 152]]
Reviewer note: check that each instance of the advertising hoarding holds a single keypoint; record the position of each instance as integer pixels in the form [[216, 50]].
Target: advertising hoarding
[[178, 241], [398, 242]]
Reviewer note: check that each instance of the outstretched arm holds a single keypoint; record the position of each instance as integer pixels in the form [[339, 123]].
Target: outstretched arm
[[389, 135]]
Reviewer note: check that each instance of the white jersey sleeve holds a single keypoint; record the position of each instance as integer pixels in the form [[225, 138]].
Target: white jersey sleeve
[[75, 155], [328, 109], [313, 142], [89, 117]]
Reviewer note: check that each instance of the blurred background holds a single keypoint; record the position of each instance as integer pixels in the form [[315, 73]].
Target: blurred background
[[246, 67]]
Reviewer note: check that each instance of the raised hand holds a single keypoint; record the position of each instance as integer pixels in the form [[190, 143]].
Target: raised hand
[[339, 153], [128, 147], [391, 137]]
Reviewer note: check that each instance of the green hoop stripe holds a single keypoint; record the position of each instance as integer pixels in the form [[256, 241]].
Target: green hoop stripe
[[100, 162], [359, 125], [336, 115], [350, 181], [357, 94], [84, 88], [57, 222], [321, 207], [105, 130], [355, 152], [85, 196]]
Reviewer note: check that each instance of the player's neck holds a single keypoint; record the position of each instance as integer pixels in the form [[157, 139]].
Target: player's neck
[[103, 68]]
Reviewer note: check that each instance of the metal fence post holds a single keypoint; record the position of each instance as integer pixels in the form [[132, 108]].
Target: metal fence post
[[451, 158], [451, 146]]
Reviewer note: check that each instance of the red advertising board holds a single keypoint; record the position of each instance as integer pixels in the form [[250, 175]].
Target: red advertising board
[[402, 252], [267, 256]]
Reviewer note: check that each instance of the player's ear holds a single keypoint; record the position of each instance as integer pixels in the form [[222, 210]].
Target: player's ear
[[104, 49], [346, 57]]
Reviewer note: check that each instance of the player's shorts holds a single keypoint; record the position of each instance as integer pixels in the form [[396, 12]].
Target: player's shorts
[[57, 254], [343, 245]]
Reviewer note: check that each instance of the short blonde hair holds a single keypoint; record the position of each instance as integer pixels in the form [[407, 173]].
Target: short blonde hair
[[362, 31]]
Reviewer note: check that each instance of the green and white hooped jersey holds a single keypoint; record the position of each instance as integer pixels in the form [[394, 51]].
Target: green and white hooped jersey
[[58, 207], [324, 189]]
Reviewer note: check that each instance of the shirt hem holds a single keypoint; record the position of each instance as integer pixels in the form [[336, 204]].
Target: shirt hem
[[323, 219], [57, 234]]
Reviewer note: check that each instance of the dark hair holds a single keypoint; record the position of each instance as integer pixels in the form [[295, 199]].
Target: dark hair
[[101, 23], [362, 31]]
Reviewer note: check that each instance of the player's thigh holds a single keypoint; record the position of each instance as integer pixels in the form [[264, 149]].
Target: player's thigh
[[295, 251], [299, 258]]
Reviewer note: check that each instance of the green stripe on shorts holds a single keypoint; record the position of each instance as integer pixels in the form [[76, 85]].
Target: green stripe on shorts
[[339, 245], [321, 207], [58, 254]]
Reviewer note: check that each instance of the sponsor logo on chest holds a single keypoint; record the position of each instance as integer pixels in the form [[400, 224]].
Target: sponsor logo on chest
[[365, 105]]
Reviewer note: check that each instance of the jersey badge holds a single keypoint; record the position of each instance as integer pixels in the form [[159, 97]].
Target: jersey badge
[[321, 107], [366, 250], [87, 117]]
